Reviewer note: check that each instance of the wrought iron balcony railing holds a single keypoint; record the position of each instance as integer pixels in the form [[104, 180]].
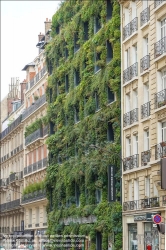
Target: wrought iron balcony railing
[[34, 106], [34, 80], [34, 136], [131, 162], [145, 16], [160, 47], [144, 63], [11, 127], [37, 195], [130, 72], [36, 166], [130, 28], [145, 110], [141, 204], [130, 117], [160, 99], [157, 3], [160, 150], [145, 157], [10, 205], [15, 176]]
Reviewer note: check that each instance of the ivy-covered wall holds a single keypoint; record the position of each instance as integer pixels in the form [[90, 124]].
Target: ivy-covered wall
[[83, 95]]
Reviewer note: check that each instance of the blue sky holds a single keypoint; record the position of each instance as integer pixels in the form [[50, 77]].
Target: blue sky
[[21, 22]]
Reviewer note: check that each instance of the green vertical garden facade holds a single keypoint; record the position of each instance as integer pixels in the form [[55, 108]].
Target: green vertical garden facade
[[83, 95]]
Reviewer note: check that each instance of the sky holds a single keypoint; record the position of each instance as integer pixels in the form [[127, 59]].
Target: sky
[[21, 22]]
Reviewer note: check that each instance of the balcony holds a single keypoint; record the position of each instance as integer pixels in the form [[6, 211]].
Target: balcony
[[144, 63], [160, 150], [36, 166], [160, 99], [130, 73], [34, 80], [9, 205], [130, 117], [15, 176], [141, 204], [145, 110], [131, 162], [145, 157], [11, 127], [158, 2], [160, 47], [144, 16], [34, 106], [31, 197], [40, 133], [130, 28]]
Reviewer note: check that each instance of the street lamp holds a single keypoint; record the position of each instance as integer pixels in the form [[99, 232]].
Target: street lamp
[[111, 173]]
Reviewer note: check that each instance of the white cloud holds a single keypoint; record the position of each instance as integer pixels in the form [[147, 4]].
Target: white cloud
[[21, 22]]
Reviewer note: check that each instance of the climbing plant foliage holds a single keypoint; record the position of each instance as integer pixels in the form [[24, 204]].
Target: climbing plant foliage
[[83, 60]]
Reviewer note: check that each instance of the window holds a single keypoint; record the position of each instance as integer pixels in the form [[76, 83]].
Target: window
[[127, 16], [76, 150], [135, 99], [98, 241], [30, 217], [145, 4], [145, 46], [37, 215], [146, 140], [127, 103], [130, 191], [76, 45], [110, 95], [58, 88], [134, 56], [147, 186], [128, 146], [57, 29], [77, 195], [97, 24], [135, 144], [97, 58], [76, 78], [85, 31], [146, 93], [134, 9], [109, 9], [97, 101], [164, 79], [51, 128], [127, 58], [85, 109], [132, 232], [163, 131], [76, 114], [59, 158], [98, 195], [66, 83], [163, 28], [136, 189], [66, 51], [155, 191], [109, 51], [110, 132]]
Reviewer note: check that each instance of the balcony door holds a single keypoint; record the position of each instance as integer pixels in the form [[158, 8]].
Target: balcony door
[[164, 80], [163, 28]]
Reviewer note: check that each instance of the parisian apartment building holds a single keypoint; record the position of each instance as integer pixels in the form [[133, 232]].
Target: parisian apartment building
[[24, 154], [143, 88]]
